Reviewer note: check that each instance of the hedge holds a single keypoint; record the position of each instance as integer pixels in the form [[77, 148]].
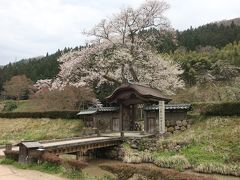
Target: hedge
[[47, 114], [221, 109]]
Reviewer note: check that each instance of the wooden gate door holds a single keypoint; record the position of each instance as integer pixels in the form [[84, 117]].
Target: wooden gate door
[[151, 125], [115, 124]]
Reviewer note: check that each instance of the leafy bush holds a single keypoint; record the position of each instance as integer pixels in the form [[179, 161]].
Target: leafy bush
[[222, 109], [9, 106], [47, 114]]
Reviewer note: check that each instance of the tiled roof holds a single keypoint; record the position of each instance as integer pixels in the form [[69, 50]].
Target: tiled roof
[[87, 111], [93, 110], [30, 144], [169, 107], [107, 109], [141, 90]]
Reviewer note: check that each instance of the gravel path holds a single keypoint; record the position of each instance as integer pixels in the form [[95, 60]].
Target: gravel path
[[12, 173]]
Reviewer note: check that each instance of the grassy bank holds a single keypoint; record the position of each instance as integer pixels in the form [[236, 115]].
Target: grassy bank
[[50, 168], [211, 145], [14, 130]]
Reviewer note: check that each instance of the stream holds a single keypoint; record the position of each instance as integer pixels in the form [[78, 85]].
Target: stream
[[93, 168]]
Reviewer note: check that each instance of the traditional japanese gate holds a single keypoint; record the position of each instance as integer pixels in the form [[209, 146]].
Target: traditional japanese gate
[[128, 96]]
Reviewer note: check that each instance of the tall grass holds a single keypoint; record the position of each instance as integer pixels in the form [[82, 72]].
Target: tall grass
[[211, 145], [14, 130], [230, 169]]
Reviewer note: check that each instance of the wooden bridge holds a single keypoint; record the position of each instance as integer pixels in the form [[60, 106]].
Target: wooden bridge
[[81, 145], [30, 150]]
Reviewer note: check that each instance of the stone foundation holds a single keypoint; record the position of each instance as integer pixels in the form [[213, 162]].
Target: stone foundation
[[178, 126]]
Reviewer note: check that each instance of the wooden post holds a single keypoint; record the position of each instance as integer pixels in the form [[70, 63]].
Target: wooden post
[[8, 147], [122, 134], [121, 117], [145, 122], [161, 118], [77, 155]]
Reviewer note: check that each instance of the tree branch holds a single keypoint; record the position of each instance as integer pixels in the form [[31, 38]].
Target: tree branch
[[112, 79]]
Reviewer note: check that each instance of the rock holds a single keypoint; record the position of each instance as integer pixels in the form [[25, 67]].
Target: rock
[[190, 121], [188, 126], [179, 123], [184, 123], [167, 123], [133, 146], [176, 132], [170, 129], [177, 127], [177, 148], [167, 134], [183, 128]]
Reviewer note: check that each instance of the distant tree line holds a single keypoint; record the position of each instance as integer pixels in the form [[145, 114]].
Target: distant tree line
[[217, 35], [214, 34], [46, 67]]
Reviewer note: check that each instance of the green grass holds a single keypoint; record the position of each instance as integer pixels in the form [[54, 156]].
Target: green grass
[[48, 168], [15, 130], [59, 170], [24, 106], [212, 145], [213, 139], [28, 106]]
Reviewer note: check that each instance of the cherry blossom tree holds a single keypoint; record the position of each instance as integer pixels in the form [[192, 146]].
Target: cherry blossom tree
[[118, 54]]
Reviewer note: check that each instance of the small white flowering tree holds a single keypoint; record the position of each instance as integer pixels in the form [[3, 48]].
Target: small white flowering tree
[[118, 54]]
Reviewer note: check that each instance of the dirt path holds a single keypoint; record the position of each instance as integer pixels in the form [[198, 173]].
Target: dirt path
[[12, 173]]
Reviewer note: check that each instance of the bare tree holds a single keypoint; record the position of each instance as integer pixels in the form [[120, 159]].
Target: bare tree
[[17, 87], [71, 98]]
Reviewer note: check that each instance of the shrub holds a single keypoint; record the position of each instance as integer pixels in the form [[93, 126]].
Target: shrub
[[72, 164], [7, 161], [178, 162], [9, 106], [51, 158], [75, 165], [11, 154], [229, 169], [221, 109], [47, 114], [131, 156]]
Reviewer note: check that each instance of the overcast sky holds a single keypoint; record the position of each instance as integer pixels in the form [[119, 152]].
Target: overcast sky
[[30, 28]]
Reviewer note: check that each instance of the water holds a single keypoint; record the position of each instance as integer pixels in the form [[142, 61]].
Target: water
[[93, 168]]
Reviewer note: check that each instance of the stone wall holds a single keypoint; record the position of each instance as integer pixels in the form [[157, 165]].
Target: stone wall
[[174, 120], [178, 126]]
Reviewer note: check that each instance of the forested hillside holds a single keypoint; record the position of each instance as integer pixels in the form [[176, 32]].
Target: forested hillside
[[34, 68], [45, 67]]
